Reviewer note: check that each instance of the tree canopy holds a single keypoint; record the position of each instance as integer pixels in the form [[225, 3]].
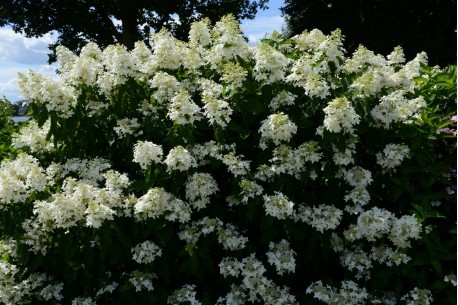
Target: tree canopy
[[380, 25], [115, 21]]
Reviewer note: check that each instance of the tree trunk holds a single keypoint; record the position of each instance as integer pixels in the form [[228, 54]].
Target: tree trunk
[[129, 33]]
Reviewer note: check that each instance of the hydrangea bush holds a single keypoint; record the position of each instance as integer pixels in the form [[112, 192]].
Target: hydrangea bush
[[214, 172]]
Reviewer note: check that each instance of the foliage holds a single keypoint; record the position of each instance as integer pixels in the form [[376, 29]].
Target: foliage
[[115, 21], [7, 128], [212, 172], [428, 25], [6, 111]]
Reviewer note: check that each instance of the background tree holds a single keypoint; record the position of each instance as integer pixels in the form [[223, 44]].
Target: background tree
[[79, 22], [380, 25]]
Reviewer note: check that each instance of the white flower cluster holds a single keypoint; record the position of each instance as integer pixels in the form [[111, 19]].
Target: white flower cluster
[[236, 296], [349, 293], [180, 159], [236, 165], [278, 206], [166, 84], [127, 127], [191, 233], [82, 69], [89, 171], [358, 177], [347, 156], [340, 116], [185, 294], [142, 280], [20, 178], [217, 111], [10, 291], [404, 229], [388, 256], [118, 66], [35, 236], [450, 278], [228, 42], [57, 96], [270, 64], [228, 236], [255, 287], [79, 203], [306, 76], [309, 71], [234, 75], [392, 155], [361, 261], [249, 189], [107, 288], [376, 223], [148, 109], [307, 41], [199, 35], [285, 159], [290, 161], [202, 152], [115, 181], [157, 202], [146, 252], [52, 291], [199, 188], [146, 152], [321, 217], [418, 297], [283, 98], [395, 108], [360, 197], [40, 285], [372, 81], [210, 88], [277, 128], [95, 108], [168, 51], [282, 257], [362, 58], [34, 137], [182, 109], [357, 260], [8, 246], [83, 301], [379, 73]]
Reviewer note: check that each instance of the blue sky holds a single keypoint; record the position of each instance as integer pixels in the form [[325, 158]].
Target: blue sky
[[19, 54]]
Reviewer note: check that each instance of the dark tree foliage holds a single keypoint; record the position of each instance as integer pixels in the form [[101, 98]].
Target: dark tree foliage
[[81, 21], [380, 25]]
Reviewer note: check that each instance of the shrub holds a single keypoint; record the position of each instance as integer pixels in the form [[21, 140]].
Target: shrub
[[213, 172], [7, 129]]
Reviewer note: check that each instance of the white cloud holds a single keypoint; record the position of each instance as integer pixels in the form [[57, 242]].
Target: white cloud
[[15, 47], [9, 90], [261, 26]]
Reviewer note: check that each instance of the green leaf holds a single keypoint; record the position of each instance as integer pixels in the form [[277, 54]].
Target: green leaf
[[437, 266]]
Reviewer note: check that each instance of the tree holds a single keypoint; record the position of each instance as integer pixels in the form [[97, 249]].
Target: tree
[[380, 25], [115, 21]]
